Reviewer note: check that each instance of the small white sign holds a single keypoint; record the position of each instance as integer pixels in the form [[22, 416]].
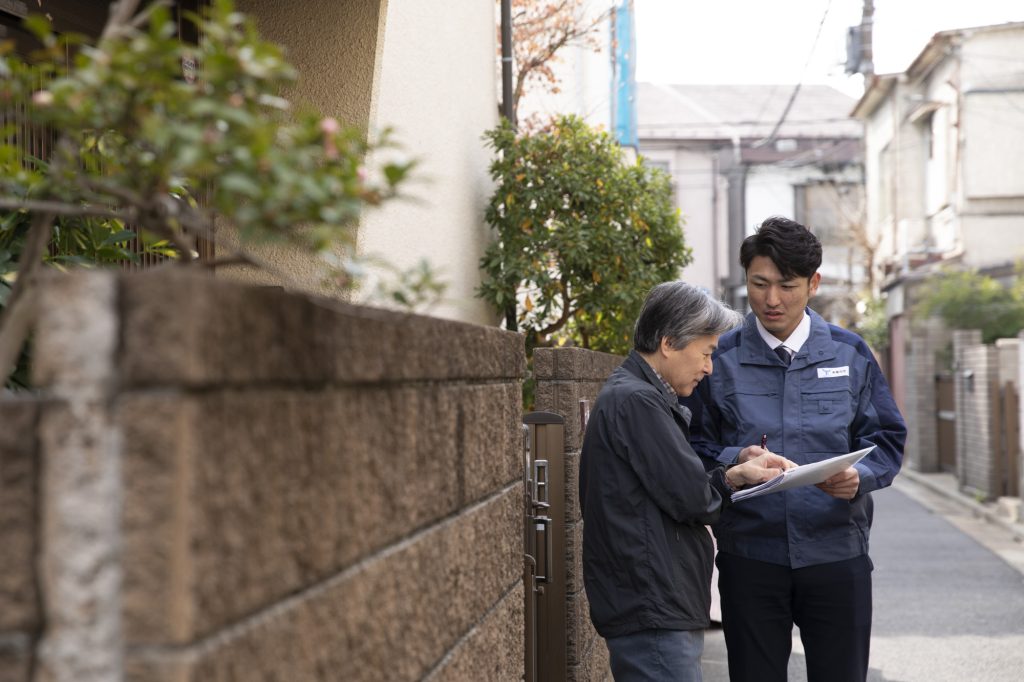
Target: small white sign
[[827, 372], [189, 68]]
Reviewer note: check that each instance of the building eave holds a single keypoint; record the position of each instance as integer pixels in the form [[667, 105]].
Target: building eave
[[876, 93]]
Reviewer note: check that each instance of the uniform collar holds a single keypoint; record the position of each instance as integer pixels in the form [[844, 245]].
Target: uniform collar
[[817, 347], [795, 341]]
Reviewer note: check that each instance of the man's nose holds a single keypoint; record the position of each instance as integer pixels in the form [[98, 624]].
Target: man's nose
[[773, 298]]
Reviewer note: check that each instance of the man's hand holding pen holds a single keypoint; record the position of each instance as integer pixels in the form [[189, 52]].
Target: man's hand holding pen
[[757, 464], [752, 451]]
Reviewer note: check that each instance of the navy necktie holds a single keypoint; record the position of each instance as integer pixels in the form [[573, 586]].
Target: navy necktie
[[783, 354]]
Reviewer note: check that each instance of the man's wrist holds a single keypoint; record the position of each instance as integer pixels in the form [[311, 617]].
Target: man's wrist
[[728, 482]]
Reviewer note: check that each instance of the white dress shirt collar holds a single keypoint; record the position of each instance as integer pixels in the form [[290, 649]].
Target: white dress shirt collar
[[795, 341]]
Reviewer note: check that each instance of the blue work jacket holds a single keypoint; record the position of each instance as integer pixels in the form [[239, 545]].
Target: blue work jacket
[[832, 399]]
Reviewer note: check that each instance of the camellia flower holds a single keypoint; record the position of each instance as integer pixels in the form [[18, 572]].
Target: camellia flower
[[329, 127]]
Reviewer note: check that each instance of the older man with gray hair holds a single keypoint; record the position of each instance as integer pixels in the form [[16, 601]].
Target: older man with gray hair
[[646, 496]]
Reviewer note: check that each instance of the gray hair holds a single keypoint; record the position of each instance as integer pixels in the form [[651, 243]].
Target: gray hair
[[681, 313]]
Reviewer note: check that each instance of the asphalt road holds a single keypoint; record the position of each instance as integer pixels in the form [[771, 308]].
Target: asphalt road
[[948, 605]]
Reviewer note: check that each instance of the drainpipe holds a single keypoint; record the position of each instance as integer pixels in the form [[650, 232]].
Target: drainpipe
[[506, 62]]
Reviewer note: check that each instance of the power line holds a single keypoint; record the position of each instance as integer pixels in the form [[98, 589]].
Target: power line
[[796, 90]]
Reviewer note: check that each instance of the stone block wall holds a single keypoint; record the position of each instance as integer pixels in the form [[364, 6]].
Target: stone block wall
[[19, 597], [977, 375], [928, 338], [236, 483], [565, 376], [1008, 351]]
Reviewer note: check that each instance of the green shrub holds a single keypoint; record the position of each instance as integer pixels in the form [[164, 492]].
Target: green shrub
[[581, 236]]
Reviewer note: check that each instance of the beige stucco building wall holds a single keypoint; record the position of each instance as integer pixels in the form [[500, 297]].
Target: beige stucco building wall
[[437, 89], [334, 45], [427, 72]]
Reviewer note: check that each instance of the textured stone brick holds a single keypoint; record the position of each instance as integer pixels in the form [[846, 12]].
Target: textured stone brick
[[573, 558], [75, 345], [596, 664], [494, 650], [80, 542], [573, 364], [246, 335], [579, 628], [236, 498], [14, 660], [489, 440], [563, 398], [158, 434], [18, 528], [393, 617], [573, 513]]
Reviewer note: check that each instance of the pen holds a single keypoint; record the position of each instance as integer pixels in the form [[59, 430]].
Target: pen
[[764, 441]]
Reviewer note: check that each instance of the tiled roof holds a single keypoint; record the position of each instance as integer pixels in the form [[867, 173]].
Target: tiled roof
[[720, 112]]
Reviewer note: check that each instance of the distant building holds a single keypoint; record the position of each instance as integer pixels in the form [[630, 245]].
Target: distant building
[[944, 145], [740, 153]]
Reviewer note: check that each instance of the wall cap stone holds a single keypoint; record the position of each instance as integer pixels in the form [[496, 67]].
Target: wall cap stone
[[186, 328]]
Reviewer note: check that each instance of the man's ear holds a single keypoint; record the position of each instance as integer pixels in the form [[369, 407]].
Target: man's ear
[[665, 346], [813, 283]]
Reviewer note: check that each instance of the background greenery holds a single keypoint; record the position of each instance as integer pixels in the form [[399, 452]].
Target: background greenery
[[581, 236]]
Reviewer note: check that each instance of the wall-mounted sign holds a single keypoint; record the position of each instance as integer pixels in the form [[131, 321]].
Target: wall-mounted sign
[[188, 68]]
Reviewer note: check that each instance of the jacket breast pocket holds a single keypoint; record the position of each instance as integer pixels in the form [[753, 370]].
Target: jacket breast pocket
[[750, 408], [827, 411]]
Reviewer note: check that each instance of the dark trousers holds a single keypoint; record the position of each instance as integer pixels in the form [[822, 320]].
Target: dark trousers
[[830, 603]]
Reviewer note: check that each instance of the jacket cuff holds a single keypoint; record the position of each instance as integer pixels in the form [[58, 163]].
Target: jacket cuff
[[729, 455], [868, 483], [719, 483]]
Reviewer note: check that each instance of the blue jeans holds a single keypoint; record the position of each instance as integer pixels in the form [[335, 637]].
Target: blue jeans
[[657, 656]]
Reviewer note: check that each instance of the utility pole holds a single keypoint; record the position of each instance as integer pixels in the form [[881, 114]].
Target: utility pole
[[859, 54], [867, 64]]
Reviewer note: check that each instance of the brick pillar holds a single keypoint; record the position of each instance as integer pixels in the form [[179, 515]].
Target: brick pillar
[[977, 375], [928, 338], [564, 377]]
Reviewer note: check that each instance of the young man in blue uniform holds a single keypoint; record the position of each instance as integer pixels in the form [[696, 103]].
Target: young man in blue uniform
[[808, 390], [646, 496]]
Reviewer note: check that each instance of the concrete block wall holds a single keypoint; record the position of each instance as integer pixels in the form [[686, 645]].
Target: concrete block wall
[[237, 483], [20, 616], [1008, 354], [565, 376], [928, 338], [1020, 432], [977, 373]]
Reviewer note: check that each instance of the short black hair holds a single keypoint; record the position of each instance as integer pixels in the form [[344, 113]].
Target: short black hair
[[793, 248]]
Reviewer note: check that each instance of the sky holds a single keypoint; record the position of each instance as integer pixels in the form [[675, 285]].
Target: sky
[[773, 41]]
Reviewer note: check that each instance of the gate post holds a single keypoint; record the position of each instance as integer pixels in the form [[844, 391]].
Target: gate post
[[544, 571]]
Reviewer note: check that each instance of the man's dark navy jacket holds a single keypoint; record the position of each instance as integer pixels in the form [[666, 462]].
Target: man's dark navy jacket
[[646, 498]]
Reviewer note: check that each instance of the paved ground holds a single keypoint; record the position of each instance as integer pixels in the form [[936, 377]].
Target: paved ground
[[949, 595]]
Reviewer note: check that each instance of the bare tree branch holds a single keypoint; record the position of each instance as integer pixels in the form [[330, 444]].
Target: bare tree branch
[[60, 208], [19, 313], [121, 13], [566, 310], [541, 30]]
